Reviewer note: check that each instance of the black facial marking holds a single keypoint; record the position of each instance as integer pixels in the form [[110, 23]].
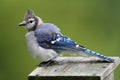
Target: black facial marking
[[36, 22]]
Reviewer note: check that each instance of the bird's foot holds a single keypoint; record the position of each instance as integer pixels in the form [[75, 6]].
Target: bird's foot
[[47, 63]]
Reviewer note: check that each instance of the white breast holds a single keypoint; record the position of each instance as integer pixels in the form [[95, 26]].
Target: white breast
[[38, 52]]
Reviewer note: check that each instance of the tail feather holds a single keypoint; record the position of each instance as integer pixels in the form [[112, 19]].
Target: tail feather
[[98, 55]]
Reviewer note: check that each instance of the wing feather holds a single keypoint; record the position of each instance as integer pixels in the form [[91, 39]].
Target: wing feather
[[49, 37]]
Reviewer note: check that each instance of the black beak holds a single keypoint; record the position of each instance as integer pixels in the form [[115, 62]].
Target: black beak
[[22, 23]]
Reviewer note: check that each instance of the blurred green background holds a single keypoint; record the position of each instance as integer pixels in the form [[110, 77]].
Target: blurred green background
[[92, 23]]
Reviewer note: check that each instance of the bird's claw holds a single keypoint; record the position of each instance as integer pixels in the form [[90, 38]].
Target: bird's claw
[[47, 63]]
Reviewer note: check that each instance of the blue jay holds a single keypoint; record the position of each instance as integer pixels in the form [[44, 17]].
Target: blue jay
[[46, 42]]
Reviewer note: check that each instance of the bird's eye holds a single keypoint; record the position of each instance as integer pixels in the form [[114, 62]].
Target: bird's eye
[[30, 21]]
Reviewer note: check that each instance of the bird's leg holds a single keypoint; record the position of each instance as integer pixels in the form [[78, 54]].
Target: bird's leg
[[47, 63]]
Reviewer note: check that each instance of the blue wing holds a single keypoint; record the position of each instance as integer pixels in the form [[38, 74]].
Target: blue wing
[[65, 43], [49, 37]]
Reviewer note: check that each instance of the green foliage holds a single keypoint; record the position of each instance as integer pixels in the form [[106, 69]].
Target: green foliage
[[92, 23]]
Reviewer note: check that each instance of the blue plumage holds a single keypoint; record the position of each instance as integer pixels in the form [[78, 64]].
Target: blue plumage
[[46, 33], [98, 55], [49, 37], [45, 41]]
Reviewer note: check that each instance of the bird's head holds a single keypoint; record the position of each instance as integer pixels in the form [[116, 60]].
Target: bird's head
[[30, 21]]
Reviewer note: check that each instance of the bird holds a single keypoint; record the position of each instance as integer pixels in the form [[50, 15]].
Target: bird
[[46, 42]]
